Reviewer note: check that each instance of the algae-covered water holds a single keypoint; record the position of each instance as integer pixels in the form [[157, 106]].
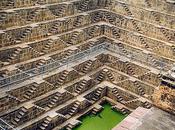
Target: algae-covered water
[[105, 120]]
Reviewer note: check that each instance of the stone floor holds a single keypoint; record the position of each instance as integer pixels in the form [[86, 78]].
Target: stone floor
[[144, 119]]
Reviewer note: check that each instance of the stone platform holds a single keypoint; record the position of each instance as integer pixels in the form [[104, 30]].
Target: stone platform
[[147, 119]]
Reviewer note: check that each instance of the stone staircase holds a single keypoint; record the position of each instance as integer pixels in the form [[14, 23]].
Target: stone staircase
[[40, 63], [44, 125], [11, 97], [97, 17], [97, 94], [71, 125], [54, 28], [147, 105], [20, 114], [109, 18], [24, 34], [87, 66], [105, 73], [61, 10], [80, 86], [84, 5], [14, 55], [68, 15], [153, 60], [73, 38], [10, 3], [118, 96], [62, 78], [143, 42], [165, 33], [101, 76], [47, 46], [78, 21], [131, 102], [109, 75], [126, 8], [122, 48], [67, 54], [74, 108], [96, 109], [124, 111], [33, 15], [163, 30], [54, 100], [135, 25], [92, 31], [139, 88], [121, 109], [129, 69], [31, 91], [115, 32]]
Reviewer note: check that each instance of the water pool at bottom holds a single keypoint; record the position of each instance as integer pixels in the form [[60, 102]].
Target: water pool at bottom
[[105, 120]]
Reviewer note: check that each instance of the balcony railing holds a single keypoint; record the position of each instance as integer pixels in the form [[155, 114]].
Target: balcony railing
[[95, 50]]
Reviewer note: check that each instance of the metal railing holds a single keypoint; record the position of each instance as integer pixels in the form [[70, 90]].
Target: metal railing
[[140, 57], [50, 66], [103, 47], [5, 126]]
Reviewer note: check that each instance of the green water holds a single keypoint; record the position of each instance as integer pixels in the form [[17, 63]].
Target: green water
[[105, 120]]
